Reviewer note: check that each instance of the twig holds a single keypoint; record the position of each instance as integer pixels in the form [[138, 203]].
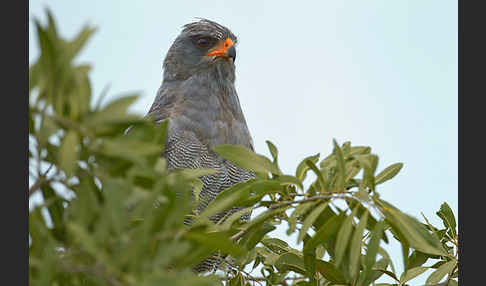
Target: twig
[[238, 235], [296, 195], [40, 181], [248, 275], [259, 279], [264, 279], [314, 198]]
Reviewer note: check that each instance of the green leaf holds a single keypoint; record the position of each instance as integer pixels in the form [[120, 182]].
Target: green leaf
[[355, 246], [351, 172], [359, 150], [120, 105], [68, 155], [416, 259], [290, 261], [442, 271], [374, 275], [391, 274], [56, 210], [237, 281], [236, 216], [47, 59], [369, 163], [320, 251], [326, 234], [197, 186], [300, 210], [273, 151], [161, 165], [81, 93], [448, 218], [372, 249], [47, 129], [405, 251], [388, 173], [276, 245], [255, 233], [129, 149], [225, 200], [246, 158], [387, 258], [216, 241], [330, 272], [114, 112], [101, 97], [309, 220], [302, 168], [309, 260], [328, 162], [343, 237], [412, 273], [88, 243], [452, 282], [290, 180], [51, 24], [338, 153], [31, 120], [174, 278], [73, 47], [265, 216], [318, 173], [34, 77], [266, 186], [197, 173], [411, 231]]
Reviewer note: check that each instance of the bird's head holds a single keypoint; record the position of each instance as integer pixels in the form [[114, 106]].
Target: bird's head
[[201, 47]]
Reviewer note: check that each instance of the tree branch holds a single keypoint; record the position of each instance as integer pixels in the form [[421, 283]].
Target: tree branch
[[314, 198]]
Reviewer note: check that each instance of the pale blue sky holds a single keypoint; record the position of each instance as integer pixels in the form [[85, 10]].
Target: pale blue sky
[[377, 73]]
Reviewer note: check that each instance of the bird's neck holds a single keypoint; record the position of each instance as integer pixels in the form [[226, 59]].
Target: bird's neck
[[221, 71], [209, 86]]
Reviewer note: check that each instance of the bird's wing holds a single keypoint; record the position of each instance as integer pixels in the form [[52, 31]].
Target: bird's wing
[[196, 124]]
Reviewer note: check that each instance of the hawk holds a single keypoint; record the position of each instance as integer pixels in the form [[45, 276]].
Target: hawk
[[199, 98]]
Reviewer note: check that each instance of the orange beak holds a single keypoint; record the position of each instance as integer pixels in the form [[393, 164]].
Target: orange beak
[[223, 49]]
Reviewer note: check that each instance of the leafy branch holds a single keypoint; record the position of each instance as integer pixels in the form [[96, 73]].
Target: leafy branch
[[124, 223]]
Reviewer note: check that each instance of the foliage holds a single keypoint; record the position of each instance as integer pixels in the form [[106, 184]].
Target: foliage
[[112, 214]]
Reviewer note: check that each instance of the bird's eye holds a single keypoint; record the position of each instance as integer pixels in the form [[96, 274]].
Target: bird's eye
[[203, 42]]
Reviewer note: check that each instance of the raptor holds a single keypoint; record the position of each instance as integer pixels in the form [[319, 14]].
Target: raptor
[[199, 98]]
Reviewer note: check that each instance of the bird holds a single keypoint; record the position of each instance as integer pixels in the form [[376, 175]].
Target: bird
[[198, 97]]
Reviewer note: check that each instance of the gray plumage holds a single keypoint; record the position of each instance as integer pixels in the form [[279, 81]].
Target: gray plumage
[[199, 98]]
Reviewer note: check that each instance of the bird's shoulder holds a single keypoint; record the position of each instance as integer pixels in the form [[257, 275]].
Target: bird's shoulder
[[214, 115]]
